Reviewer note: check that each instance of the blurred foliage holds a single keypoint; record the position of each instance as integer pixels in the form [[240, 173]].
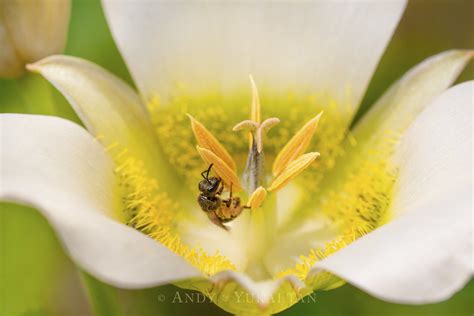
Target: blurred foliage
[[35, 273], [37, 278]]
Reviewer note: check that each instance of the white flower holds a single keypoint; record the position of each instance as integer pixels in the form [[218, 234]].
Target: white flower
[[386, 207]]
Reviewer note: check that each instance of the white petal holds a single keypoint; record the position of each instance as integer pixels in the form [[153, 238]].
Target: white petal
[[435, 154], [199, 233], [318, 46], [105, 104], [238, 294], [108, 107], [424, 255], [55, 166], [406, 98]]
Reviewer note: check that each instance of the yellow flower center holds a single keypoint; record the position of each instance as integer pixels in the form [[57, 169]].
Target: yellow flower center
[[351, 195]]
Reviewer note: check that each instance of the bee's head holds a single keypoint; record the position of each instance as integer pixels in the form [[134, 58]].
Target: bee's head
[[209, 186]]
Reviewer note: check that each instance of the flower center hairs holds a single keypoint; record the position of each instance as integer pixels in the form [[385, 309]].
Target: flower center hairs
[[267, 190]]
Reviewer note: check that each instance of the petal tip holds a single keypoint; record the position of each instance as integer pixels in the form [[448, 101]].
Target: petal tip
[[190, 117], [33, 68], [37, 65]]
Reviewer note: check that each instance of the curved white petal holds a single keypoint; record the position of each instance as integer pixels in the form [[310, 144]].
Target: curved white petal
[[406, 98], [108, 107], [424, 255], [317, 46], [435, 154], [55, 166], [105, 104]]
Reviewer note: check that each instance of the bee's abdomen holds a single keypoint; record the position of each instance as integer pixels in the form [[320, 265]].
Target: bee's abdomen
[[208, 204], [228, 213]]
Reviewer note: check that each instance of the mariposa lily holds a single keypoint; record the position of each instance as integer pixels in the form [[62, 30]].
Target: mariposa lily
[[384, 205]]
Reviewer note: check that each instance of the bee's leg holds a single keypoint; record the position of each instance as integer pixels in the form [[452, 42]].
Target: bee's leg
[[213, 218], [219, 192], [237, 203], [228, 202]]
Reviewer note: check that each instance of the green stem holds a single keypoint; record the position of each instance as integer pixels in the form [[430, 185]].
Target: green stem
[[102, 297]]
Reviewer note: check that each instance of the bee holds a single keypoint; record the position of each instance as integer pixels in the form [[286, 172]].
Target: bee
[[218, 210]]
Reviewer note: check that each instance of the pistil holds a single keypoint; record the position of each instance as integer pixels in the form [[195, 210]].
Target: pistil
[[254, 174], [254, 169]]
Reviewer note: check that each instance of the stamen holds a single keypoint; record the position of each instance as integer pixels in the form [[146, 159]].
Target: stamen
[[292, 170], [296, 146], [257, 198], [206, 140], [220, 168]]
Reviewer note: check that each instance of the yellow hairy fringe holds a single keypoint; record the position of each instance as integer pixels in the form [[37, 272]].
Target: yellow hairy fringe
[[302, 268], [359, 205], [152, 212]]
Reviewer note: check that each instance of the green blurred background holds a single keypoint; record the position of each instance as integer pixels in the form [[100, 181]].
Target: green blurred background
[[37, 278]]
